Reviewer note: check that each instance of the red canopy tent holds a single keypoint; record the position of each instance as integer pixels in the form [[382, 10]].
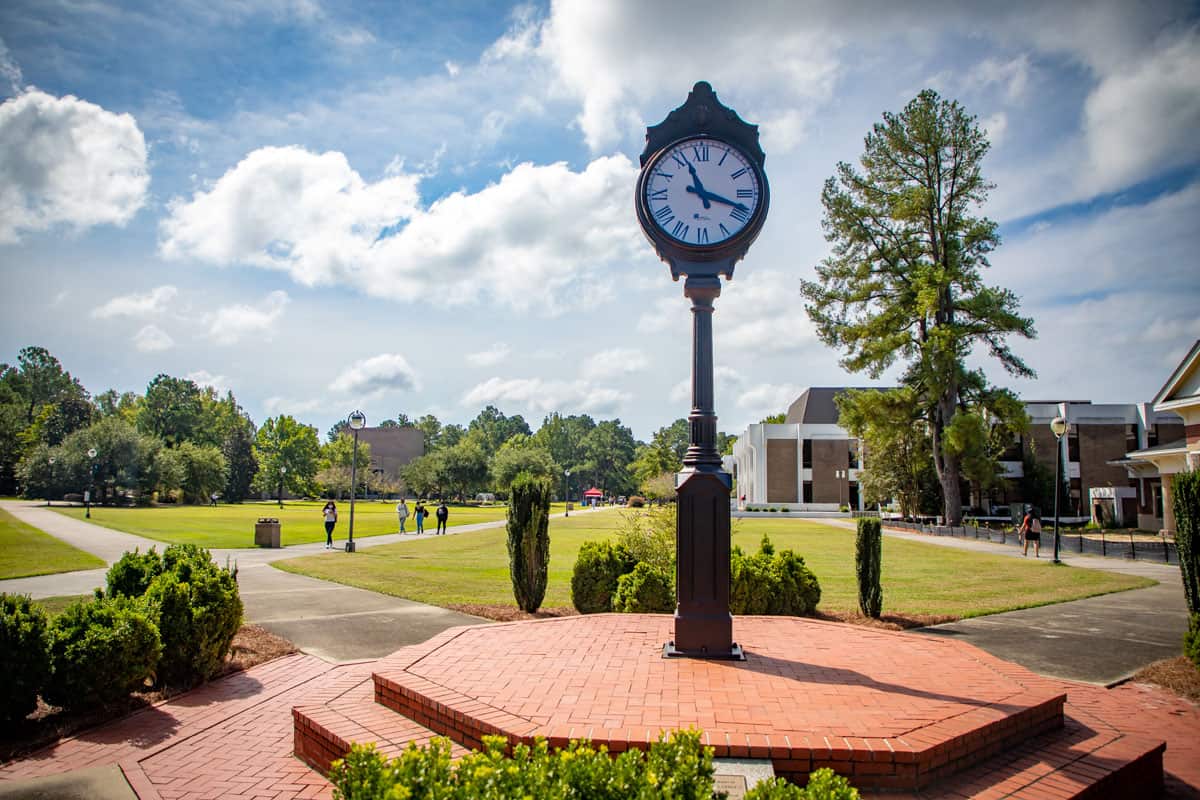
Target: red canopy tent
[[593, 492]]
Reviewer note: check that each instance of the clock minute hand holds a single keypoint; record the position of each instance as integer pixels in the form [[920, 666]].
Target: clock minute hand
[[710, 196]]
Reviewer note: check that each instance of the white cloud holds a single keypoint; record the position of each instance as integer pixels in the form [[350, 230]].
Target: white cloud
[[666, 313], [543, 396], [1011, 76], [1144, 118], [137, 305], [768, 398], [70, 162], [615, 361], [994, 127], [763, 312], [381, 373], [10, 71], [726, 380], [542, 238], [152, 339], [230, 323], [202, 377], [493, 355]]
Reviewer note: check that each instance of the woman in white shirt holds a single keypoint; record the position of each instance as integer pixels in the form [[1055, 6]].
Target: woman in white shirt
[[330, 514], [402, 512]]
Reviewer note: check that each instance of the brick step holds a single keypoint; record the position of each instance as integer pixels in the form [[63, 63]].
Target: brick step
[[324, 731]]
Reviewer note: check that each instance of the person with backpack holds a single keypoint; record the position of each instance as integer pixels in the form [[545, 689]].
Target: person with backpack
[[1031, 531], [419, 513], [443, 514]]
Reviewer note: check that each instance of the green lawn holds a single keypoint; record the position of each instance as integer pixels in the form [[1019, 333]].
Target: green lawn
[[232, 525], [26, 551], [918, 578], [57, 604]]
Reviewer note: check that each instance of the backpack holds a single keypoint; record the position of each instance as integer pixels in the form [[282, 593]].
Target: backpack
[[1035, 526]]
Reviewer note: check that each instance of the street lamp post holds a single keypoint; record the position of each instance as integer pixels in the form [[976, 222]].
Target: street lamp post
[[566, 492], [1058, 426], [50, 461], [87, 496], [358, 421], [842, 476], [282, 472]]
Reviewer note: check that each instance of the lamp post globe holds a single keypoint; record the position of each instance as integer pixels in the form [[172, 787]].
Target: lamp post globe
[[1058, 426], [87, 496], [357, 421]]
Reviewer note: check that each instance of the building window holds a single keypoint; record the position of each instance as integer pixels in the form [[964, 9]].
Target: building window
[[1152, 436], [853, 461], [853, 494], [806, 448], [808, 491], [1131, 438], [1073, 447]]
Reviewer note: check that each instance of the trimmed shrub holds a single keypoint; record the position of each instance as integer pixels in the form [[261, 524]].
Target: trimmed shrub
[[100, 651], [823, 784], [132, 574], [868, 557], [1185, 502], [24, 661], [771, 583], [676, 766], [198, 610], [637, 501], [594, 579], [646, 590], [1191, 640], [529, 539]]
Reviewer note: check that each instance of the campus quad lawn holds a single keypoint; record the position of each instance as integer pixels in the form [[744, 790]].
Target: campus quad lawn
[[918, 578], [232, 524], [26, 551]]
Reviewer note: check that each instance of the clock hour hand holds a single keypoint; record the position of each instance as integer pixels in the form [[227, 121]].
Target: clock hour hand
[[719, 199], [697, 187]]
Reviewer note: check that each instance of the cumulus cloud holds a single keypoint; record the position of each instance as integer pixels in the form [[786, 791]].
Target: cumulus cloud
[[616, 361], [768, 398], [381, 373], [152, 339], [726, 380], [203, 377], [67, 161], [543, 396], [542, 237], [10, 71], [493, 355], [137, 305], [229, 324]]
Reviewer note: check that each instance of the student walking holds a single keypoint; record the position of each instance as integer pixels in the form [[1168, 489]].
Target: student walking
[[419, 512], [443, 514], [402, 513], [330, 514], [1031, 531]]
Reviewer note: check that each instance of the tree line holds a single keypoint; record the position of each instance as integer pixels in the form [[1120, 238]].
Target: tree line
[[179, 441]]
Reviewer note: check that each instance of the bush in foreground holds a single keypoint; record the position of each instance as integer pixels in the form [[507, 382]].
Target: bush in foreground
[[100, 650], [24, 661], [646, 590], [1185, 501], [594, 580], [131, 575], [771, 583], [677, 766], [529, 539], [868, 557], [1191, 640]]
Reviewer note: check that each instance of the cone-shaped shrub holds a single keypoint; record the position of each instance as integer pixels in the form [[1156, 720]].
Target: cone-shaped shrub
[[868, 555], [1185, 502], [529, 539]]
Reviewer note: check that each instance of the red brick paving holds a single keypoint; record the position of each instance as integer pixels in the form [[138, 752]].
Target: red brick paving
[[234, 737]]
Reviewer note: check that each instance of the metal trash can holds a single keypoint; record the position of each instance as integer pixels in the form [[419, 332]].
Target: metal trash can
[[266, 532]]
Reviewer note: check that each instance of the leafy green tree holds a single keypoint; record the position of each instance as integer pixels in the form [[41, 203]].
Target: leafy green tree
[[431, 429], [896, 440], [171, 410], [125, 462], [773, 419], [337, 460], [204, 471], [903, 282], [422, 476], [124, 405], [725, 443], [282, 442], [563, 437], [238, 449], [450, 435], [491, 428], [462, 470], [608, 451], [520, 455]]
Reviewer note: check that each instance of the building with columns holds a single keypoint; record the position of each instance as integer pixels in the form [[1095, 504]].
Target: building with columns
[[1158, 461], [810, 463]]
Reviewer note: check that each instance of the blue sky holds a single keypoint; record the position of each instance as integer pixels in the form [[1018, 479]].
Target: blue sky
[[425, 208]]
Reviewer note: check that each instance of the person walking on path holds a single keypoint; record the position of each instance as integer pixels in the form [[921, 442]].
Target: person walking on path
[[402, 513], [443, 514], [1031, 531], [419, 512], [330, 514]]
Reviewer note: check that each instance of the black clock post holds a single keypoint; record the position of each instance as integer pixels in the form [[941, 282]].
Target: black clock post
[[702, 198]]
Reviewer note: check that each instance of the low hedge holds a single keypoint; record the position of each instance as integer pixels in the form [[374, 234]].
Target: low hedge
[[1191, 640], [771, 583], [100, 651], [646, 590], [594, 580], [24, 661], [677, 766]]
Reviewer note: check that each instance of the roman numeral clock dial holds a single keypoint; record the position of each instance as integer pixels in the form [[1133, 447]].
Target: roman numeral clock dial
[[702, 191]]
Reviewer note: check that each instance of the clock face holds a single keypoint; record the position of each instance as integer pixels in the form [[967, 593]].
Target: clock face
[[702, 191]]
